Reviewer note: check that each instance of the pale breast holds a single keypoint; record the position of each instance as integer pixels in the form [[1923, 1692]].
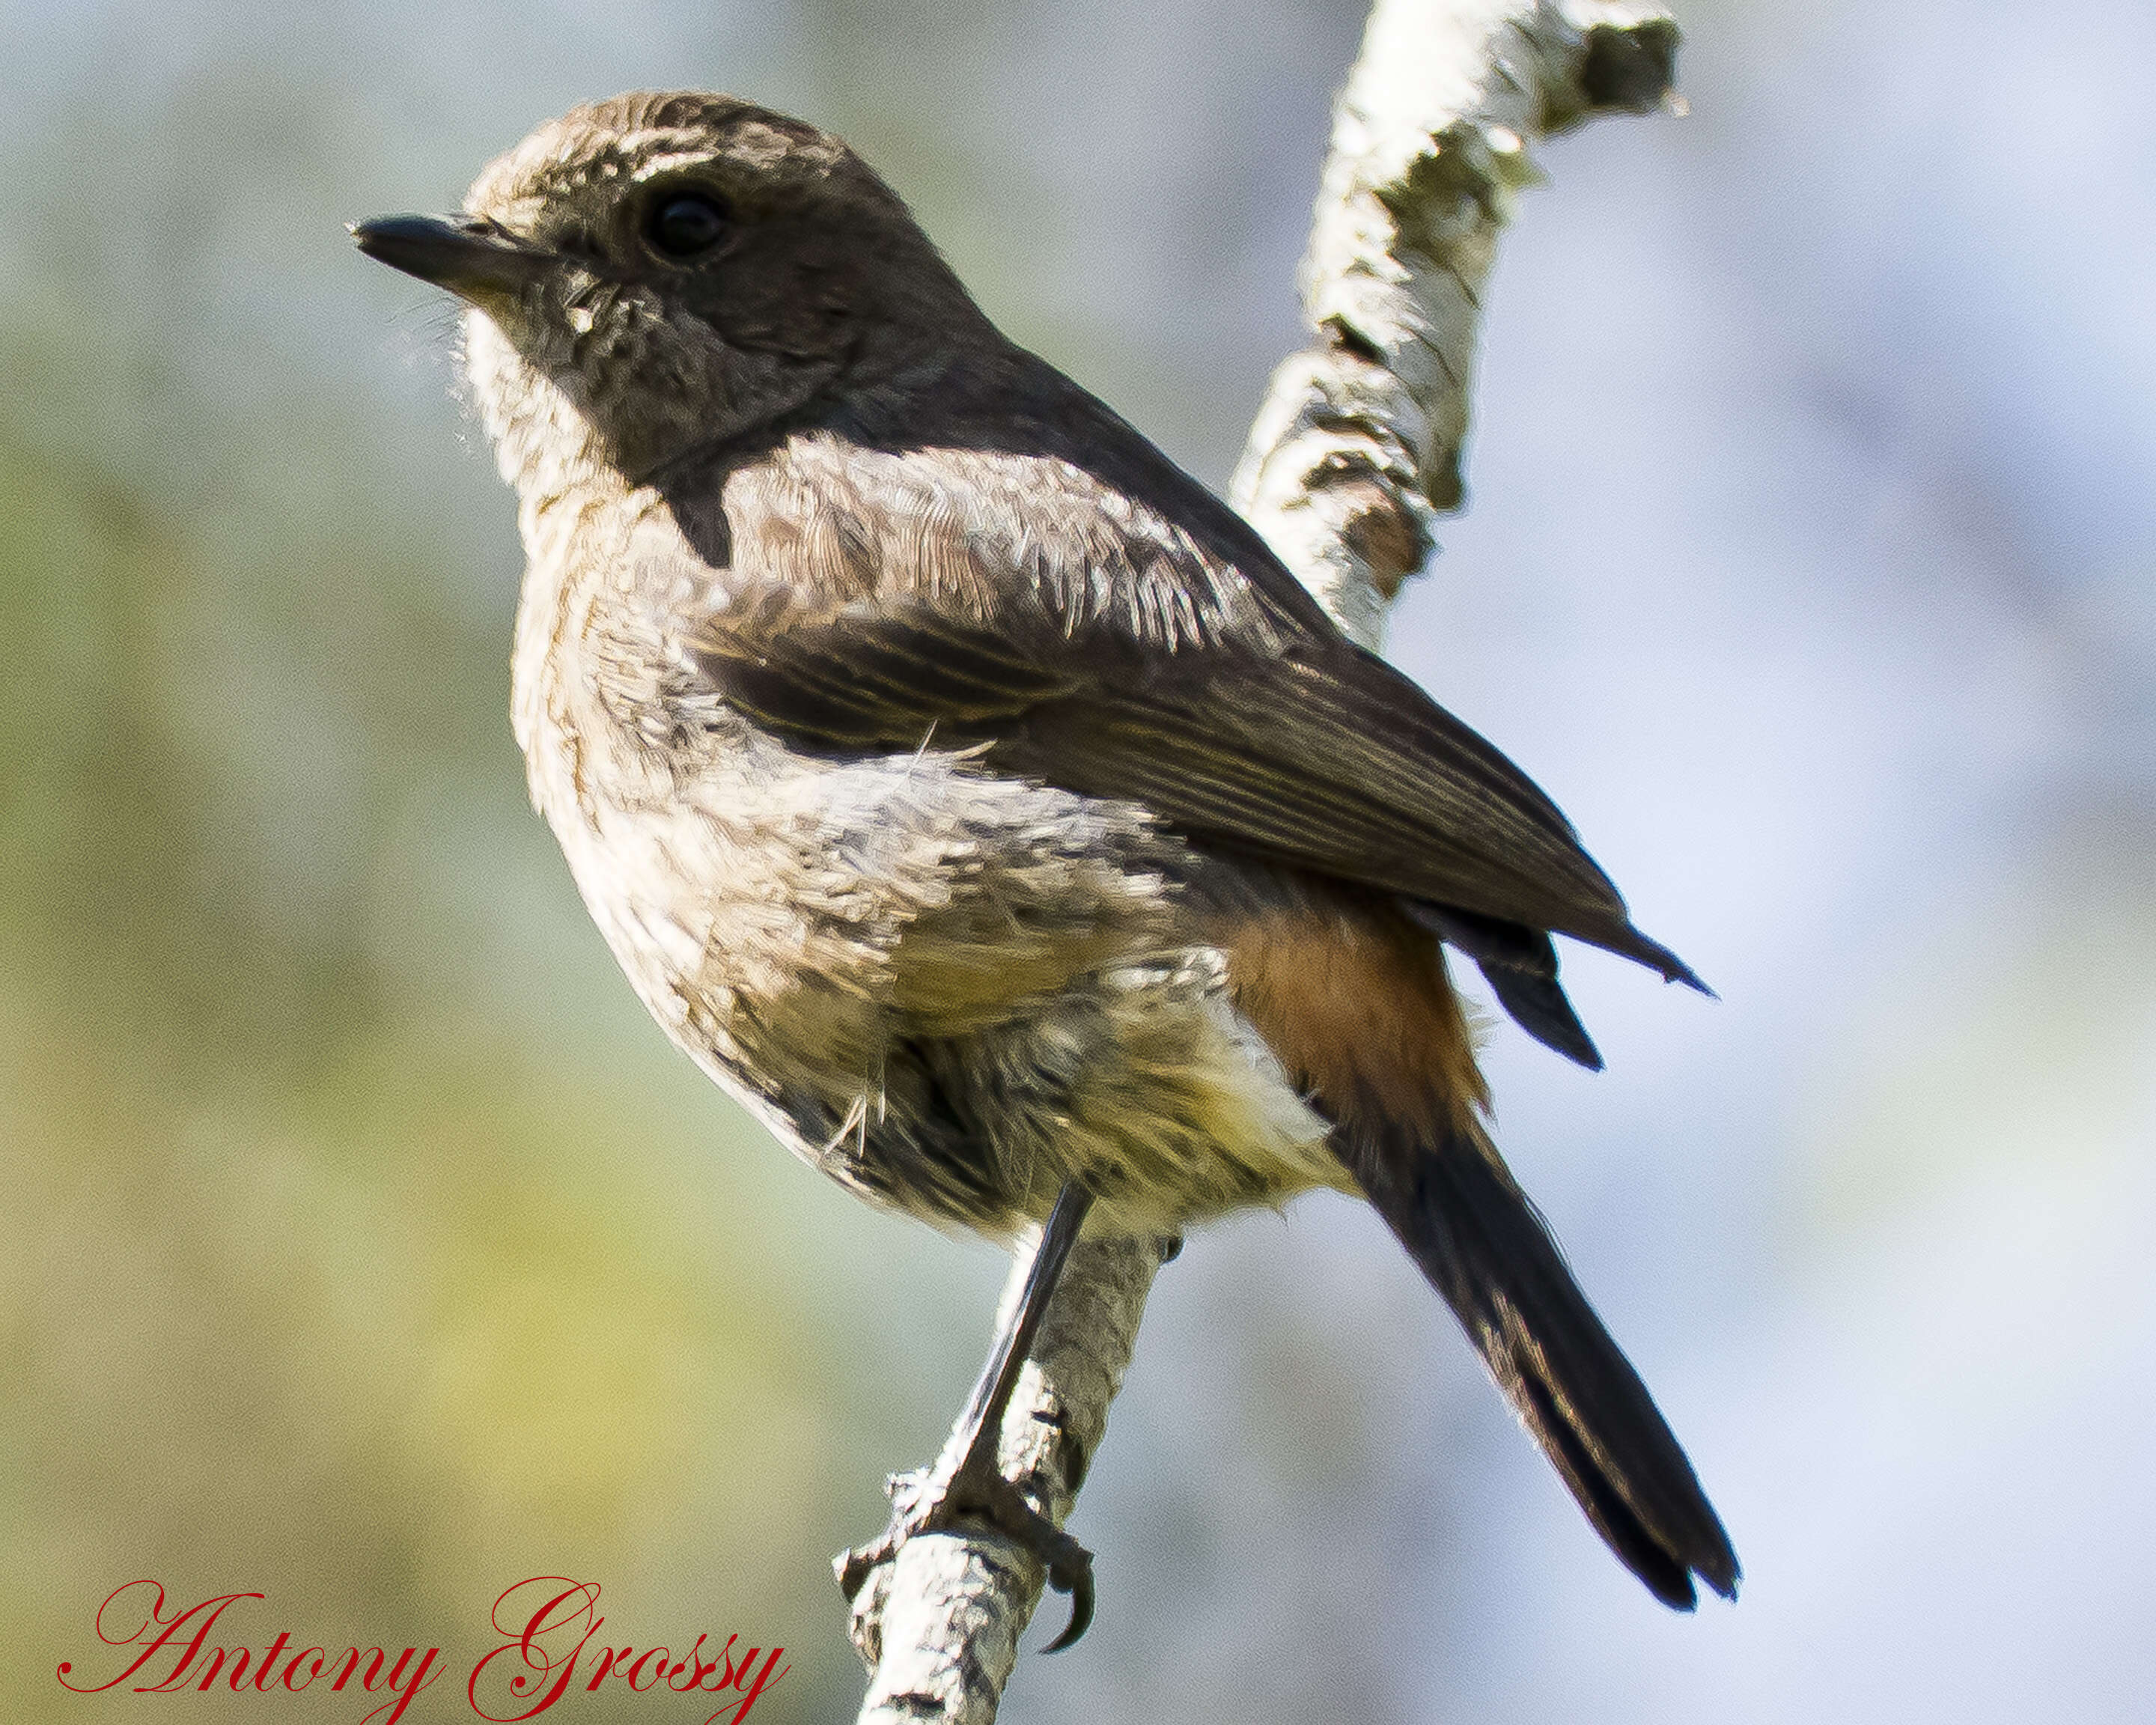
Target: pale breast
[[952, 990]]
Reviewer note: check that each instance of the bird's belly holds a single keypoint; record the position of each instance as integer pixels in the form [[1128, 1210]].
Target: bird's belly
[[1141, 1080], [953, 992]]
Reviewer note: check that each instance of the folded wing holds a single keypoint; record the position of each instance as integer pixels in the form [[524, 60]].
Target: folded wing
[[1141, 665]]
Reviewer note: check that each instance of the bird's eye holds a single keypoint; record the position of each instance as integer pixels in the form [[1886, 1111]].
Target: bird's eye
[[686, 224]]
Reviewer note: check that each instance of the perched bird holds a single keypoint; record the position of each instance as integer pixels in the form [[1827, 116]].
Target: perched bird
[[976, 798]]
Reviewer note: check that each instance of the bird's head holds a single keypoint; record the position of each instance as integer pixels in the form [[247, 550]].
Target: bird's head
[[656, 272]]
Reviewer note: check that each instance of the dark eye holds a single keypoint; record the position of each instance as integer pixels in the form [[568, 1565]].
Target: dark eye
[[687, 224]]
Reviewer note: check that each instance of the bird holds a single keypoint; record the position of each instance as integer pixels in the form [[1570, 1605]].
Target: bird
[[979, 801]]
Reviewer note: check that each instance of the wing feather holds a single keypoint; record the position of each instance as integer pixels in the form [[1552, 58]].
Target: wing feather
[[1022, 604]]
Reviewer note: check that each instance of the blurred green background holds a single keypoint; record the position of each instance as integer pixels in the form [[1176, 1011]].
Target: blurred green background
[[361, 1244]]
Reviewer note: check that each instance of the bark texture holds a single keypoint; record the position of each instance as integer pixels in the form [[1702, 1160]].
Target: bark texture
[[1354, 455]]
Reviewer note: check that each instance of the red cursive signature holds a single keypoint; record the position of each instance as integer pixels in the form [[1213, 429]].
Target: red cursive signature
[[177, 1641], [547, 1623]]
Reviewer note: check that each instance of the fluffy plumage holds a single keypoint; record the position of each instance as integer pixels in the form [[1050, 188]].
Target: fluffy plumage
[[973, 794]]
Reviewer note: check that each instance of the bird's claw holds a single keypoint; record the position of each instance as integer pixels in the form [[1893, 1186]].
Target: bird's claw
[[922, 1504]]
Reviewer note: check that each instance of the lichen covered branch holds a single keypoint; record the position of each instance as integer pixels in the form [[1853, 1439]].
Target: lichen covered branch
[[1353, 455], [939, 1625], [1357, 449]]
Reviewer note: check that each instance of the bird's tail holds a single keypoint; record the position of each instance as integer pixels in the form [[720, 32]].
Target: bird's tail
[[1448, 1196]]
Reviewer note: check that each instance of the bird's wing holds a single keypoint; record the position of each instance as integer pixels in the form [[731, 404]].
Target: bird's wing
[[1086, 640]]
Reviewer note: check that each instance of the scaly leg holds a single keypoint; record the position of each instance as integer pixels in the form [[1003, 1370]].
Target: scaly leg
[[967, 1481]]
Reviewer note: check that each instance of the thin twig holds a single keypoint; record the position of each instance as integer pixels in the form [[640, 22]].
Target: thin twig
[[1354, 453]]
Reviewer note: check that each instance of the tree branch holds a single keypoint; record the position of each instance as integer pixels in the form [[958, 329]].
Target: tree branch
[[1354, 455], [1357, 448]]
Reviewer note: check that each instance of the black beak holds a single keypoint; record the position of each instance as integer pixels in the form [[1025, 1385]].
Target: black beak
[[469, 255]]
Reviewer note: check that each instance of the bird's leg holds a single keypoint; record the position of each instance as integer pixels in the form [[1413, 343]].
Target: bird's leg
[[966, 1481]]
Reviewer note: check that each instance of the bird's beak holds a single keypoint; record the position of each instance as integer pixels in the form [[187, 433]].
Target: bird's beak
[[469, 255]]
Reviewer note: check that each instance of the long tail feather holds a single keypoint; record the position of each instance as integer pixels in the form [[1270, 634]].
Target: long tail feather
[[1479, 1239]]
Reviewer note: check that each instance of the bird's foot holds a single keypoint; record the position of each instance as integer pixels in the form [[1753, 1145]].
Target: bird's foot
[[937, 1500]]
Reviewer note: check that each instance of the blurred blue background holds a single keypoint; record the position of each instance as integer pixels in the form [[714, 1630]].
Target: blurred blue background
[[361, 1244]]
